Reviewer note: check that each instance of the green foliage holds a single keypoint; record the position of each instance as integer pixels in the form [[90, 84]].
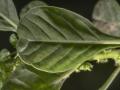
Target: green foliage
[[8, 16], [13, 40], [7, 65], [51, 43]]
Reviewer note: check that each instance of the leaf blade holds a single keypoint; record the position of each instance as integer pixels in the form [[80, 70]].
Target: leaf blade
[[56, 40], [27, 77], [8, 15], [47, 27]]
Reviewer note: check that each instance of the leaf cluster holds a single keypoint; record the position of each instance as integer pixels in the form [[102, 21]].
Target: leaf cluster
[[52, 42]]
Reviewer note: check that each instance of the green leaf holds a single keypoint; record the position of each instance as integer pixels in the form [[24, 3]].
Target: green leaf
[[31, 5], [6, 66], [106, 17], [8, 16], [1, 84], [48, 30], [13, 40], [29, 78], [55, 40], [4, 55]]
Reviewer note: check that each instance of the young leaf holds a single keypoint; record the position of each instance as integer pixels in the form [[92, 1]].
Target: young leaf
[[6, 66], [8, 16], [56, 40], [31, 5], [13, 40], [29, 78], [107, 17], [4, 55]]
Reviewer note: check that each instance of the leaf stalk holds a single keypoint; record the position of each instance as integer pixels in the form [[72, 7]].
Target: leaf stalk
[[109, 81]]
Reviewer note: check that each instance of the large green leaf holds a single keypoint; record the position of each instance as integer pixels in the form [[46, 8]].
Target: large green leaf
[[49, 32], [55, 41], [107, 17], [8, 16]]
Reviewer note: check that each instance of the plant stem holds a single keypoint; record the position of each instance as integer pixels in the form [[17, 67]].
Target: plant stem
[[106, 85]]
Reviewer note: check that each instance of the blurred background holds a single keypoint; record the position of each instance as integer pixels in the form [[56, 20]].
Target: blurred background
[[83, 80]]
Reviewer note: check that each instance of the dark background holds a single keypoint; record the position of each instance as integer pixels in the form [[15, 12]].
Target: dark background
[[83, 80]]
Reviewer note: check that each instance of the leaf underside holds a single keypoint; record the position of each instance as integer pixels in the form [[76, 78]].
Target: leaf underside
[[51, 37]]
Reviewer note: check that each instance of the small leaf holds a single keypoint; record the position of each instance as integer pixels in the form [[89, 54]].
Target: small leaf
[[106, 17], [4, 55], [29, 78], [13, 40], [7, 65], [8, 16]]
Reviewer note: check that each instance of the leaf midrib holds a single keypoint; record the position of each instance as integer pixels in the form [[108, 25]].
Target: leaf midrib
[[101, 42]]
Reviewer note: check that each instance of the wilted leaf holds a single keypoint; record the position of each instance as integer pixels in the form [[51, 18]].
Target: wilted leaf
[[106, 17]]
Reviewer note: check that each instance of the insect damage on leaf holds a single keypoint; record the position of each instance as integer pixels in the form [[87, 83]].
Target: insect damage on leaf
[[87, 66], [104, 56]]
